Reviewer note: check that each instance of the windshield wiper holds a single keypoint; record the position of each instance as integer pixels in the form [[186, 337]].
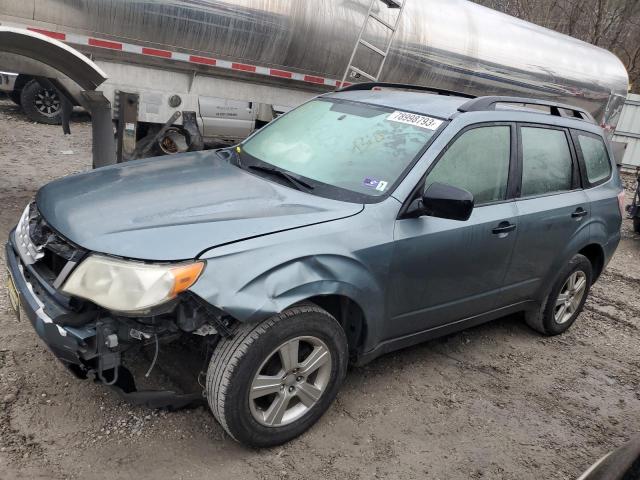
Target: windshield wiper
[[276, 172]]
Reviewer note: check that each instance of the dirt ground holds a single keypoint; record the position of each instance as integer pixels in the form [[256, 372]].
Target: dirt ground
[[493, 402]]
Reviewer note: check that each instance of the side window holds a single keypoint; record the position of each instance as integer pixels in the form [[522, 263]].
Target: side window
[[477, 161], [547, 166], [596, 158]]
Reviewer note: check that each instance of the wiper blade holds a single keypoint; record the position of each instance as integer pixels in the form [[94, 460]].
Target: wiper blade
[[293, 180]]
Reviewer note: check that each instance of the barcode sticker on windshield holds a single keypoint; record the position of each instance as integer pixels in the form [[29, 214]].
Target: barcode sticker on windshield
[[415, 120]]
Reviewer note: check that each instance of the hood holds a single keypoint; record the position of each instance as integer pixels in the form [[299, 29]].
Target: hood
[[174, 208]]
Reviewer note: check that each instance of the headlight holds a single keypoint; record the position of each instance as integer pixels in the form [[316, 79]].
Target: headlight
[[126, 286]]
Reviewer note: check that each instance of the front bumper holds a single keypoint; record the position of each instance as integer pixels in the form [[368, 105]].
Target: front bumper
[[73, 346], [81, 349]]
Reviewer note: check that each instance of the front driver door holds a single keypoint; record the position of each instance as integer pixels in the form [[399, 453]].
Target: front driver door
[[447, 270]]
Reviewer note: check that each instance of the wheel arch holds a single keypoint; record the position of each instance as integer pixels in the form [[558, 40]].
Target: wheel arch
[[21, 81], [340, 284], [595, 253], [349, 315]]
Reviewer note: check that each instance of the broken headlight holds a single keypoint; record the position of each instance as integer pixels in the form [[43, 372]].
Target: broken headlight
[[127, 286]]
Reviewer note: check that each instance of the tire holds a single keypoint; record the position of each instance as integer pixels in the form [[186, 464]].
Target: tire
[[40, 104], [547, 320], [636, 225], [255, 350]]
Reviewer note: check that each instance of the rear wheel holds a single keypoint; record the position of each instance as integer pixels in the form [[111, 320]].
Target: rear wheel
[[273, 380], [40, 104], [565, 300]]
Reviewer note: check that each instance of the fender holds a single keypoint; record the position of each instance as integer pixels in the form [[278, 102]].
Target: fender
[[580, 239], [257, 278]]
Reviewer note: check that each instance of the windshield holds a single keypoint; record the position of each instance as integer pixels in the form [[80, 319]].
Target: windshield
[[354, 146]]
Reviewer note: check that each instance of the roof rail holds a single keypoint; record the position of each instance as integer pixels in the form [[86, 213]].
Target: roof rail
[[482, 104], [405, 86]]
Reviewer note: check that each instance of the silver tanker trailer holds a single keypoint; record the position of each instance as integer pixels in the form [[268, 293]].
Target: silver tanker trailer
[[236, 64]]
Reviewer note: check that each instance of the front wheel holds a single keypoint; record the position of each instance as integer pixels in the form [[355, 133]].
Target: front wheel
[[565, 300], [273, 380]]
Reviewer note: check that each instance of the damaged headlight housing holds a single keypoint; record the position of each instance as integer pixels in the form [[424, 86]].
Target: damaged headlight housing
[[127, 286]]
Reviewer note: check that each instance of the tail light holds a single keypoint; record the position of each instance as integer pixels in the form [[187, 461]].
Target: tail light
[[621, 203]]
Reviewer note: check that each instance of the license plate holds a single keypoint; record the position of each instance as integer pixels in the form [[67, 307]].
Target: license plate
[[14, 296]]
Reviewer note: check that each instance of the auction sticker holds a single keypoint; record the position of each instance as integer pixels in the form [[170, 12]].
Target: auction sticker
[[377, 184], [415, 120]]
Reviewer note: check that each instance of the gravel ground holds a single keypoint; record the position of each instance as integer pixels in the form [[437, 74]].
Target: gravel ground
[[493, 402]]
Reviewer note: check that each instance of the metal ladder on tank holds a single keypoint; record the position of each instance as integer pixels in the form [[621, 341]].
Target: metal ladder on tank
[[353, 72]]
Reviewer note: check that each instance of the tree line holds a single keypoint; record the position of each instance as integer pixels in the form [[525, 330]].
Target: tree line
[[610, 24]]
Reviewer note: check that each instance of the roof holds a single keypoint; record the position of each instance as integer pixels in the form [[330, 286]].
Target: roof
[[442, 106]]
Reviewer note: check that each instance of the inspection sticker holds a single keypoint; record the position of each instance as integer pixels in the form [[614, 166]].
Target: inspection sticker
[[415, 120], [377, 184]]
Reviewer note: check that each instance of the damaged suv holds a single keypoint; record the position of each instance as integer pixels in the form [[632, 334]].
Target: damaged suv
[[361, 222]]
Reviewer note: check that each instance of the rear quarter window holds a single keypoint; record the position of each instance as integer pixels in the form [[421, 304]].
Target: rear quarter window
[[595, 156]]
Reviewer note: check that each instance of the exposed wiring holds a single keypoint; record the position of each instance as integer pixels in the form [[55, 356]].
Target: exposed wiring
[[155, 357]]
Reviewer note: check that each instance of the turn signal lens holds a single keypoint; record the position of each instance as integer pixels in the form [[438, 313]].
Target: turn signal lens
[[185, 276]]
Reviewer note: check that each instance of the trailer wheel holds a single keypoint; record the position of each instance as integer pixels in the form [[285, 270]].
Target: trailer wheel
[[40, 104], [273, 380]]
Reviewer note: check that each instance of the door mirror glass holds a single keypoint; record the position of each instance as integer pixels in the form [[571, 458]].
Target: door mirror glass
[[446, 201]]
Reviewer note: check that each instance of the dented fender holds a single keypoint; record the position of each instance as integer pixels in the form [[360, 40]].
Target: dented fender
[[257, 278]]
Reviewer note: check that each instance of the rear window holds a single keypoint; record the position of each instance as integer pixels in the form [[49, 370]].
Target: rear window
[[596, 158], [547, 166]]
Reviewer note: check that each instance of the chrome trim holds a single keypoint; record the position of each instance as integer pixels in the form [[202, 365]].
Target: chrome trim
[[28, 251], [64, 273]]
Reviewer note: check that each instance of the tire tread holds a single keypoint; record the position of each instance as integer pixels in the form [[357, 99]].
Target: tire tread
[[230, 351]]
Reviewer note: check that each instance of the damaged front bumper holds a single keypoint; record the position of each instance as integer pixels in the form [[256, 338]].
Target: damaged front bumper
[[92, 348], [73, 346]]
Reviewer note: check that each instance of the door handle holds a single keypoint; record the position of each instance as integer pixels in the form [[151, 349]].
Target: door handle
[[503, 229], [579, 213]]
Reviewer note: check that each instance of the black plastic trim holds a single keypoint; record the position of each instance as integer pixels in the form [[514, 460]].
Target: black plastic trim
[[405, 86], [488, 103]]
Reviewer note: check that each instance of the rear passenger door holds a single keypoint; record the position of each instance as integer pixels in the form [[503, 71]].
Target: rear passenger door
[[553, 210], [597, 169]]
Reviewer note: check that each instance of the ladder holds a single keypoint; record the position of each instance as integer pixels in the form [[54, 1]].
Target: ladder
[[352, 72]]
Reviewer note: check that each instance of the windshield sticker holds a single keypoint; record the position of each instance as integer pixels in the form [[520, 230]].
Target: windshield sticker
[[415, 120], [377, 184]]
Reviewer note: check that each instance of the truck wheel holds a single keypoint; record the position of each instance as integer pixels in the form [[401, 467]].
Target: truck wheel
[[273, 380], [636, 225], [565, 300], [40, 104]]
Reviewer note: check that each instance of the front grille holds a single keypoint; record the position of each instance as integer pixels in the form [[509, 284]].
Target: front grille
[[43, 248], [29, 252]]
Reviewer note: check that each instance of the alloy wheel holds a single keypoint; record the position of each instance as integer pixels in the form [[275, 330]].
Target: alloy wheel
[[47, 102], [290, 381], [570, 297]]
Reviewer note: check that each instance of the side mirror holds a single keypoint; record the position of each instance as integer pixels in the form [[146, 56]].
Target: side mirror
[[446, 201]]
